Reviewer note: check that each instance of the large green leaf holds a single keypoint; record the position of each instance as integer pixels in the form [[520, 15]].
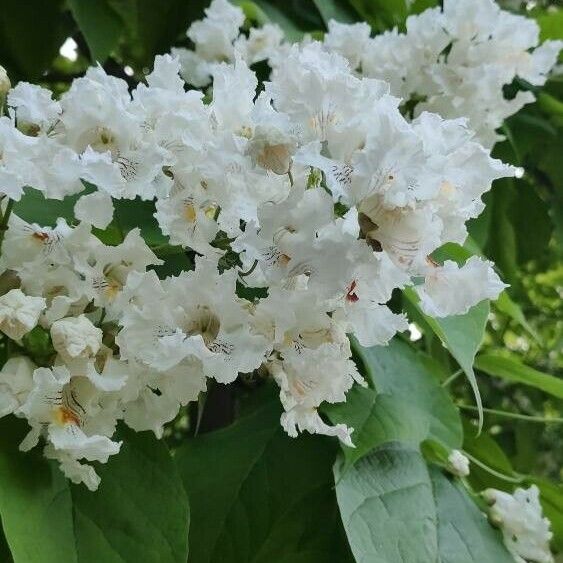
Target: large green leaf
[[408, 403], [387, 507], [461, 335], [395, 509], [464, 535], [512, 369], [139, 513], [100, 24], [258, 495]]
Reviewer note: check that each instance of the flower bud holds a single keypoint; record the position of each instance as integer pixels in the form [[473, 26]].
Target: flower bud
[[5, 86]]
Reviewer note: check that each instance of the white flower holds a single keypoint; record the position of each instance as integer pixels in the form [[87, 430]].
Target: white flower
[[452, 290], [16, 380], [76, 337], [19, 313], [63, 410], [309, 377], [525, 531], [458, 464], [95, 208], [348, 40], [33, 106]]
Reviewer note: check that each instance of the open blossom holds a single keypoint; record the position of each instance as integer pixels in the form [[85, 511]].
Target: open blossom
[[294, 215], [76, 337], [451, 289], [525, 530]]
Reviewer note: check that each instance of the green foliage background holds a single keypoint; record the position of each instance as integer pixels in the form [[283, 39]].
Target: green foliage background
[[247, 492]]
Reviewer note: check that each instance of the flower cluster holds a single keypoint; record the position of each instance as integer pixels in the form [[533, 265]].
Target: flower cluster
[[301, 208], [525, 530], [454, 61]]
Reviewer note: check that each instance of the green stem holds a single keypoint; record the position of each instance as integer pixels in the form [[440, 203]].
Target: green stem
[[290, 176], [5, 219], [492, 471], [452, 377], [515, 415]]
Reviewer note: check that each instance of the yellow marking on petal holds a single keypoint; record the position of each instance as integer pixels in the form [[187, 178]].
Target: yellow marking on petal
[[190, 213], [63, 416]]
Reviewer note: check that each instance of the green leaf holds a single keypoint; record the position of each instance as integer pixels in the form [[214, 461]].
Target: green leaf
[[33, 207], [132, 213], [339, 10], [464, 535], [461, 335], [151, 28], [31, 34], [382, 14], [395, 509], [408, 403], [139, 513], [258, 495], [100, 24], [292, 31], [387, 507], [551, 24], [513, 370], [506, 305]]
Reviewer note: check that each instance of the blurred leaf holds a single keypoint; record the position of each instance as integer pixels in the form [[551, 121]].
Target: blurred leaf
[[31, 33], [506, 305], [502, 243], [100, 24], [484, 448], [410, 408], [151, 28], [139, 513], [339, 10], [292, 30], [258, 495], [551, 24], [513, 370], [551, 497], [382, 14]]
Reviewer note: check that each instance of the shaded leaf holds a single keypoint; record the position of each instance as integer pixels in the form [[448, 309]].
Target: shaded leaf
[[31, 34], [514, 370], [407, 405], [258, 495], [139, 513], [339, 10], [462, 336], [100, 24]]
